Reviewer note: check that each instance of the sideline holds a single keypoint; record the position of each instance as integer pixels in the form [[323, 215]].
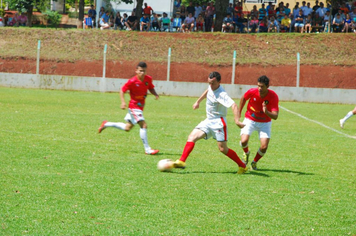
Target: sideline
[[317, 122]]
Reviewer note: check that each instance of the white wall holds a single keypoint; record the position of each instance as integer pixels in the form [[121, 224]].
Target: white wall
[[322, 95]]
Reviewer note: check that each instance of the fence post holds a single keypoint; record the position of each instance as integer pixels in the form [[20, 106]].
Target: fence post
[[169, 64], [38, 57], [298, 69], [104, 62], [233, 68]]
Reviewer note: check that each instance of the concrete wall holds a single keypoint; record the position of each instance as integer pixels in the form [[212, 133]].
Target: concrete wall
[[322, 95]]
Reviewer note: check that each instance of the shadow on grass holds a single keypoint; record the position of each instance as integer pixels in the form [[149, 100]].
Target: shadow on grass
[[284, 171]]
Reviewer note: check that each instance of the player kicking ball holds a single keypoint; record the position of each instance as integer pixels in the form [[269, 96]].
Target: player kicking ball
[[138, 86], [261, 108], [217, 102]]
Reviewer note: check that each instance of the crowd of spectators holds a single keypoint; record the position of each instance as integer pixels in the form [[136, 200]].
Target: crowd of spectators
[[16, 20]]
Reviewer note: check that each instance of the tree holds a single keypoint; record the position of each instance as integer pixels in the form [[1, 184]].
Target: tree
[[28, 5], [220, 10], [139, 8]]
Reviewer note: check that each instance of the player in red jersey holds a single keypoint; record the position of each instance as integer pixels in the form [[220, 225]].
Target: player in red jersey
[[138, 86], [261, 108]]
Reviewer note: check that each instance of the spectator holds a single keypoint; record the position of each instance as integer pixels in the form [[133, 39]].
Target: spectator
[[299, 22], [280, 5], [344, 8], [198, 10], [22, 19], [165, 22], [287, 9], [145, 23], [155, 23], [263, 27], [230, 9], [303, 7], [15, 20], [104, 21], [118, 21], [254, 12], [93, 14], [253, 24], [177, 23], [242, 23], [268, 7], [147, 10], [321, 10], [200, 23], [273, 25], [188, 24], [88, 22], [307, 10], [209, 15], [280, 14], [308, 24], [227, 24], [286, 23], [342, 15], [271, 12], [191, 9], [238, 8], [124, 20], [338, 24], [295, 13], [326, 19], [183, 12], [317, 22], [101, 13], [262, 12], [316, 6], [111, 21], [132, 22], [347, 24]]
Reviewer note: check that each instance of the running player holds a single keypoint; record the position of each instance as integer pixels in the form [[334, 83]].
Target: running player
[[261, 108], [215, 124], [348, 116], [138, 86]]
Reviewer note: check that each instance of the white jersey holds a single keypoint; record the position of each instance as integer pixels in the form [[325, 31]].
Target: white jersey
[[217, 103]]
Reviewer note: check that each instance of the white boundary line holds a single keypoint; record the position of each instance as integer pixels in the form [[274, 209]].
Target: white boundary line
[[317, 122]]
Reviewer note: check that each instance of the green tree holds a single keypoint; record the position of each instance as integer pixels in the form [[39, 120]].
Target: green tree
[[220, 10], [54, 17]]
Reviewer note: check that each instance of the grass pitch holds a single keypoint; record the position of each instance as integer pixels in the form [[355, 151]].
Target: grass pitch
[[59, 177]]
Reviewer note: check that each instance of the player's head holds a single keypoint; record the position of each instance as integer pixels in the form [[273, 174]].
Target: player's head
[[141, 70], [142, 64], [263, 79], [216, 75]]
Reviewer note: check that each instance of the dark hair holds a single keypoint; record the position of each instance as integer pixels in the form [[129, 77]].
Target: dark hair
[[216, 75], [142, 64], [263, 79]]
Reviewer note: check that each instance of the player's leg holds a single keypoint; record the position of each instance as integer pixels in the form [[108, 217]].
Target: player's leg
[[119, 125], [264, 135], [233, 156], [143, 136], [245, 134], [348, 116], [193, 137]]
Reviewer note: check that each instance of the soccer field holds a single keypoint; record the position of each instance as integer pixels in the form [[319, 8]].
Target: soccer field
[[59, 176]]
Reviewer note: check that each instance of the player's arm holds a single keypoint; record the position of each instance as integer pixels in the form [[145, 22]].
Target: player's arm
[[122, 97], [236, 112], [201, 98], [271, 114], [242, 104], [153, 92]]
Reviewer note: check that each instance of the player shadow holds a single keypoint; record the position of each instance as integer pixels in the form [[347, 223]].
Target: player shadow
[[285, 171]]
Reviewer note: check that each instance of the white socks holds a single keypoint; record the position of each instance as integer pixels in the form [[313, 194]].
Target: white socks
[[143, 135], [118, 125], [348, 115]]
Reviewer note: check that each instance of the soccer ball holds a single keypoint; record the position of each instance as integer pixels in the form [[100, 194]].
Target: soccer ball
[[165, 165]]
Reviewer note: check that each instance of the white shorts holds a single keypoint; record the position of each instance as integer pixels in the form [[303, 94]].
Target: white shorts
[[215, 128], [263, 128], [134, 116]]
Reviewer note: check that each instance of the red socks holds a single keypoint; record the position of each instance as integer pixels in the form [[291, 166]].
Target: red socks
[[233, 156], [258, 156], [187, 150]]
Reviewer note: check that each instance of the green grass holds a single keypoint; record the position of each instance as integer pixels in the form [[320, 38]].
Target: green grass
[[211, 48], [59, 177]]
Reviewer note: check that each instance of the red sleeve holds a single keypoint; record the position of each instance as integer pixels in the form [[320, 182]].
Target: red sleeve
[[150, 84], [248, 94], [274, 103], [126, 86]]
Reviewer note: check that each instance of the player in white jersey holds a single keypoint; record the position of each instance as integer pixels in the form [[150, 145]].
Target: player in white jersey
[[217, 102], [348, 116]]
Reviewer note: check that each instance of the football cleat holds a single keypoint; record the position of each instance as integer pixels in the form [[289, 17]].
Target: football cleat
[[179, 164], [152, 152], [341, 124], [242, 170], [254, 165], [245, 157], [102, 126]]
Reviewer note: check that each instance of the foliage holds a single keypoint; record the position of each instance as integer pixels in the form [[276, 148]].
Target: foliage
[[2, 12], [54, 17], [59, 177]]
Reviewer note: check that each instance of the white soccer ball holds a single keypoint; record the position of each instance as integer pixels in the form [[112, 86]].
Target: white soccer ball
[[165, 165]]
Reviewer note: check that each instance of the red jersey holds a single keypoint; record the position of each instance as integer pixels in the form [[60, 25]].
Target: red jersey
[[254, 107], [138, 91], [147, 10]]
